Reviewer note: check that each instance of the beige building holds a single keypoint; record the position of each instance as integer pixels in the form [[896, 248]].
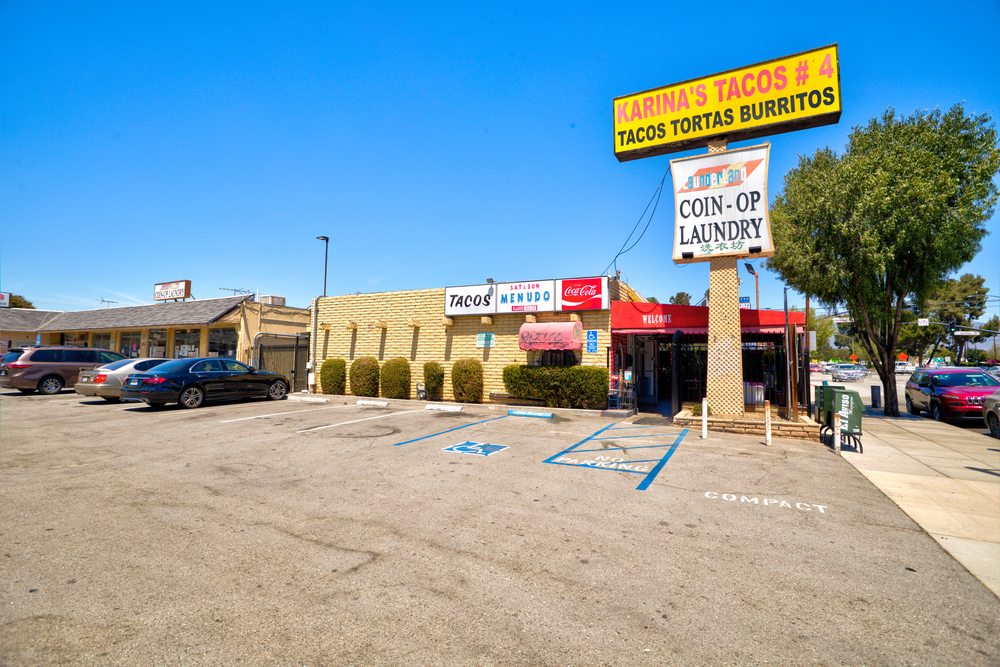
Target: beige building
[[414, 325], [19, 327], [225, 327]]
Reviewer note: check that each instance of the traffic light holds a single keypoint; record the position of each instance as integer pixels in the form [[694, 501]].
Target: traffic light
[[951, 328]]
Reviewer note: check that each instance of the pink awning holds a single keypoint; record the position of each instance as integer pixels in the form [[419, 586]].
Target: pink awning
[[551, 336]]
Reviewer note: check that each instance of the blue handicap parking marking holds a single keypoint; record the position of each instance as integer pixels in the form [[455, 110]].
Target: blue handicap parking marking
[[479, 448], [592, 335], [601, 458]]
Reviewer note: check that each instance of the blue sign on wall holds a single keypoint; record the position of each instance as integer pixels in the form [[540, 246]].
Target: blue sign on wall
[[479, 448], [591, 347], [592, 336]]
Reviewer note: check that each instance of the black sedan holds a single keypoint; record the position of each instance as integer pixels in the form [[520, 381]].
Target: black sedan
[[191, 382]]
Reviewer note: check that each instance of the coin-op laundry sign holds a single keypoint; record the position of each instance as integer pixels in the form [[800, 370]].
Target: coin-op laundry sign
[[781, 95], [720, 205]]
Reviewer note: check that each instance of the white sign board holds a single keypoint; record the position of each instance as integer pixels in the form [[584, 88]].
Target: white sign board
[[720, 205], [923, 322], [470, 300], [842, 320], [966, 333], [535, 296], [4, 299]]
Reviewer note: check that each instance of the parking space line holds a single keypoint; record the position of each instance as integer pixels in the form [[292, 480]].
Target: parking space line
[[355, 421], [648, 435], [276, 414], [448, 431], [620, 465]]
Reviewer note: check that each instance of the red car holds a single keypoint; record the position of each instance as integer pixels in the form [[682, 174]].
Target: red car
[[949, 393]]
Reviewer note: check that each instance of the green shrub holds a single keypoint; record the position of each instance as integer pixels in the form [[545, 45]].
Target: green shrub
[[433, 378], [364, 376], [467, 380], [396, 378], [696, 410], [559, 386], [333, 376]]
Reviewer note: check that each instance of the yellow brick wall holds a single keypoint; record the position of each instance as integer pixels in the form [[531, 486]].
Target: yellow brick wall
[[433, 341]]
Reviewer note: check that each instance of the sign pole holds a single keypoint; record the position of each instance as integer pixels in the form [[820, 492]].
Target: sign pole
[[724, 382]]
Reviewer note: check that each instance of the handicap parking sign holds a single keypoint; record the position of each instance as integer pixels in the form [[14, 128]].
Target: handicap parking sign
[[592, 336], [479, 448]]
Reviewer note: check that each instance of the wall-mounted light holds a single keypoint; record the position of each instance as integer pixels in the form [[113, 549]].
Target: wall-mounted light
[[690, 255], [755, 250]]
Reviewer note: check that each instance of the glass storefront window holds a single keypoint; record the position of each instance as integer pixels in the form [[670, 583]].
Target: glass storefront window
[[79, 339], [103, 340], [187, 343], [158, 342], [131, 343], [222, 342]]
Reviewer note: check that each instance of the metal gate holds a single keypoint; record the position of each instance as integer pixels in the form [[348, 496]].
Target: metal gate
[[287, 354]]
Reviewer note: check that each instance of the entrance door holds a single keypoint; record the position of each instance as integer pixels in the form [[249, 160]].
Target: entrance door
[[646, 364]]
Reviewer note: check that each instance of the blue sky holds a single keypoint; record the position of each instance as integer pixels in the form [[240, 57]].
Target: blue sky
[[437, 145]]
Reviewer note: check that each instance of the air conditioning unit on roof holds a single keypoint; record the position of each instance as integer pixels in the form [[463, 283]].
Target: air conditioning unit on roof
[[271, 300]]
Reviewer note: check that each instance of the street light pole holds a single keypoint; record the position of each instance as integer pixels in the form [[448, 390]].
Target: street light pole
[[326, 254]]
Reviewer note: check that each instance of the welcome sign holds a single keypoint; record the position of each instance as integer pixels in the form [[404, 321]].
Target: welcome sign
[[720, 205]]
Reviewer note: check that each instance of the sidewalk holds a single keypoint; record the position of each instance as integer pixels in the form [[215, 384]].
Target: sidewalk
[[946, 478]]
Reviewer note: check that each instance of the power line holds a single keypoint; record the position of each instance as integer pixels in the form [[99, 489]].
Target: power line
[[656, 197]]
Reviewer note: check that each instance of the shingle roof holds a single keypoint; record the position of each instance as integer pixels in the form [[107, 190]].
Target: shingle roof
[[24, 319], [166, 314]]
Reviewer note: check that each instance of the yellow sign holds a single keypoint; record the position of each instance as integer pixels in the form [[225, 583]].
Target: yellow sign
[[781, 95]]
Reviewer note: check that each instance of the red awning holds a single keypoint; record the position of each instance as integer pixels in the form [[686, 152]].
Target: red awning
[[704, 330], [551, 336]]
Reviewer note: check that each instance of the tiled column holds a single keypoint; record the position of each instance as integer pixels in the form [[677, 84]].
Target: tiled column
[[725, 346]]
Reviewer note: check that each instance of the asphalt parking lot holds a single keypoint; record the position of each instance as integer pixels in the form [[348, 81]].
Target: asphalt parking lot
[[289, 533]]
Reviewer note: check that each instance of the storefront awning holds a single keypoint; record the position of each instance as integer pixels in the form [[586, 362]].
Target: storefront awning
[[704, 330], [551, 336]]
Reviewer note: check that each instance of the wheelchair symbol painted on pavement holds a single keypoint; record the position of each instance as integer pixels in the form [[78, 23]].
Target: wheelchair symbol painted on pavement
[[479, 448]]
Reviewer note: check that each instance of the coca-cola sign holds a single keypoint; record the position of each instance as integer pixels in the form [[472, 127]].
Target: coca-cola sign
[[582, 294]]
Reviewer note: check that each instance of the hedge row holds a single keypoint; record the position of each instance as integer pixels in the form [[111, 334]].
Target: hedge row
[[394, 378], [559, 386]]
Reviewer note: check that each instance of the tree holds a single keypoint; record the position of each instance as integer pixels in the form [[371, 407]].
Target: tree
[[681, 299], [652, 299], [824, 328], [903, 207], [992, 324], [955, 303], [18, 301]]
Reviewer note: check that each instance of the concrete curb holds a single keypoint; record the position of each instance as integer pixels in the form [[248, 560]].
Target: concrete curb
[[399, 402]]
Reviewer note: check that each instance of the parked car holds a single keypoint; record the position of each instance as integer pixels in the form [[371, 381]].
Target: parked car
[[49, 368], [191, 382], [905, 368], [991, 413], [949, 393], [815, 367], [849, 372], [106, 381]]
